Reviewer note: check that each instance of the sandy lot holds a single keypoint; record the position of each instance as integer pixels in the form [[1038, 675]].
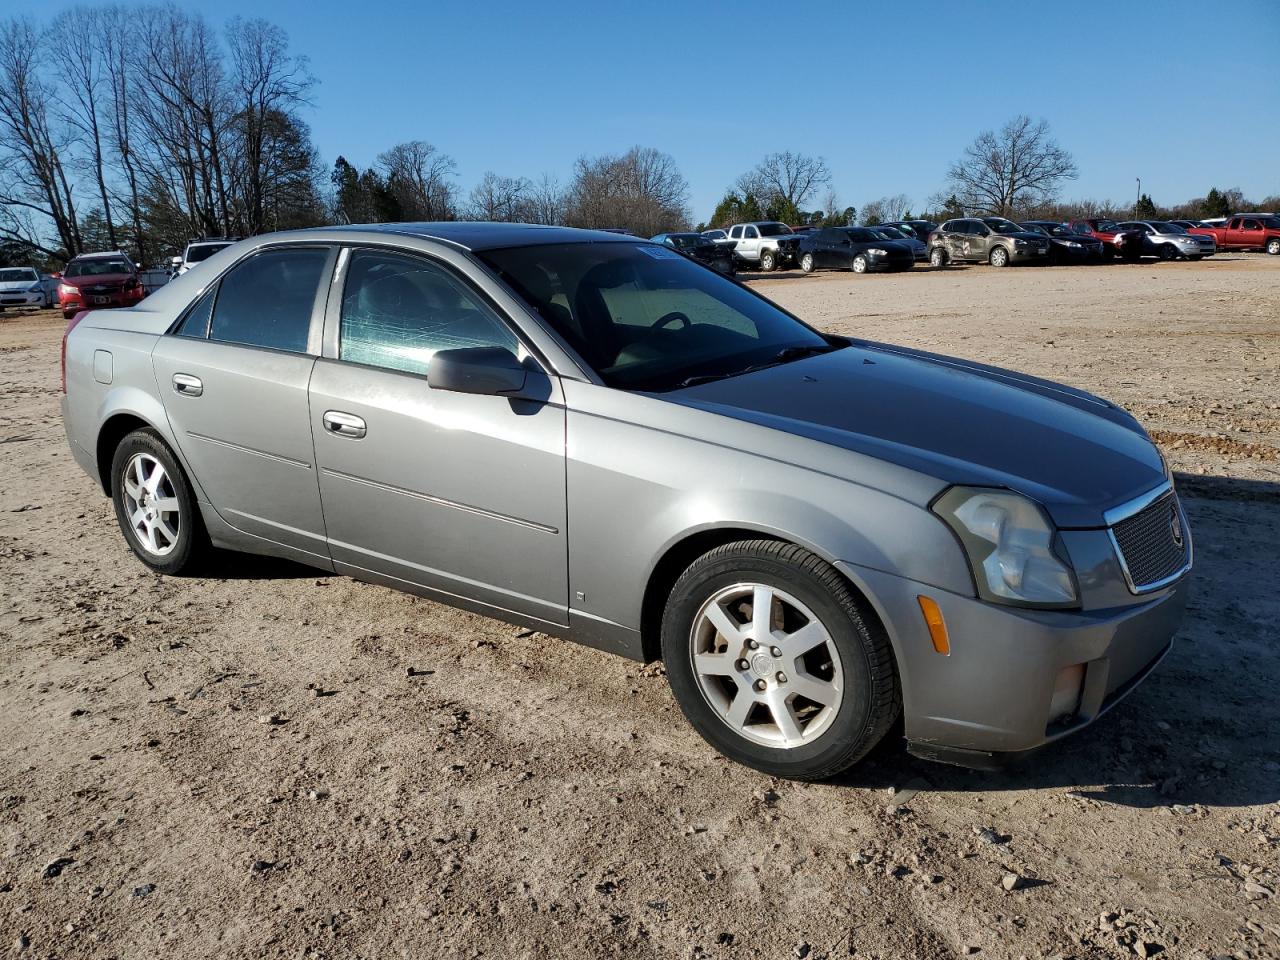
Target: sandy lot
[[442, 785]]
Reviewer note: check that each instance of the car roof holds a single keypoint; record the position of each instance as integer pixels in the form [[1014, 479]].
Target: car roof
[[473, 235], [102, 255]]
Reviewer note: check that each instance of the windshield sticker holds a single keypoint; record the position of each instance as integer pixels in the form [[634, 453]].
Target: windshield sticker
[[660, 253]]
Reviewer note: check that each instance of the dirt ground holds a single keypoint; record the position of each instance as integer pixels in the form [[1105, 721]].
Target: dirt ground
[[274, 762]]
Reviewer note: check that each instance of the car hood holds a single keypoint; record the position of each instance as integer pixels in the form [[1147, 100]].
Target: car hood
[[99, 278], [958, 421], [17, 286]]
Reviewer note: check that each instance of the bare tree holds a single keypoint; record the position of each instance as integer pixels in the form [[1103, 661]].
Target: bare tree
[[545, 201], [1019, 167], [33, 181], [895, 207], [121, 84], [791, 177], [267, 85], [642, 190], [76, 48], [498, 198], [421, 179]]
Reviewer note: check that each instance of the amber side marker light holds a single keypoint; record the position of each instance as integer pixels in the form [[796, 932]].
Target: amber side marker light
[[937, 626]]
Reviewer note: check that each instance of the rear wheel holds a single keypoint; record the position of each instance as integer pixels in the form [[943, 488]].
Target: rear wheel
[[1273, 247], [768, 260], [776, 662], [155, 506], [806, 262], [859, 264], [999, 257]]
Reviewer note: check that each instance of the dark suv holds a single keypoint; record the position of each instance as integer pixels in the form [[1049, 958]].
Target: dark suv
[[992, 240], [99, 280]]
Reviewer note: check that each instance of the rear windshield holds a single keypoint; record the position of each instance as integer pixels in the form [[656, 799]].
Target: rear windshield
[[646, 318], [17, 275], [97, 268], [204, 251]]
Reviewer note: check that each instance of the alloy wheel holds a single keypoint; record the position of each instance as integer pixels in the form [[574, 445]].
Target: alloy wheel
[[859, 264], [806, 263], [152, 506], [766, 665]]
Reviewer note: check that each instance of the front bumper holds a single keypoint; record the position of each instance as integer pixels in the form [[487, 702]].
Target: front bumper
[[22, 299], [990, 697], [875, 263], [1028, 254]]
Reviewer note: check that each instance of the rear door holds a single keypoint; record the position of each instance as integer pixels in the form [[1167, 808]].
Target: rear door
[[234, 376], [458, 493]]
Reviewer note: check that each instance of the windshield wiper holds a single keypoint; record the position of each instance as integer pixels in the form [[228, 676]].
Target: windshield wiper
[[782, 356]]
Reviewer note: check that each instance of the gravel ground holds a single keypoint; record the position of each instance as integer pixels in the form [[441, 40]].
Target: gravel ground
[[273, 762]]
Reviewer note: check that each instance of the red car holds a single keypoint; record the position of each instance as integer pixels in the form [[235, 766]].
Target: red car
[[1115, 242], [1253, 231], [99, 280]]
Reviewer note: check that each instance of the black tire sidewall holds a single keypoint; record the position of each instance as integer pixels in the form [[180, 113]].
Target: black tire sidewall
[[842, 743], [190, 527]]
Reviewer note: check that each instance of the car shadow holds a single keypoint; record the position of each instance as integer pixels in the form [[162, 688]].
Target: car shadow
[[1200, 729], [230, 565]]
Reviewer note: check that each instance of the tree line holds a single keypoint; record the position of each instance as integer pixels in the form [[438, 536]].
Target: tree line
[[142, 138]]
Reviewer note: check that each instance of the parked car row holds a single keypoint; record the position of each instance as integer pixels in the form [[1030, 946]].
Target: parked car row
[[898, 245]]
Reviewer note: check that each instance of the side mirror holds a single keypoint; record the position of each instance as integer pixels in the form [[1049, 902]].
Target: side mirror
[[487, 371]]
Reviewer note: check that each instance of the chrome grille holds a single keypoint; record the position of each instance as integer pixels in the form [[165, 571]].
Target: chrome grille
[[1154, 544]]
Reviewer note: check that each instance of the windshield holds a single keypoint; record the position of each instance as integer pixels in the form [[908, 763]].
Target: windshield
[[715, 235], [644, 317], [686, 241], [96, 268], [886, 232], [18, 275], [195, 254], [1162, 227], [1034, 228], [1001, 225], [1108, 226], [773, 229]]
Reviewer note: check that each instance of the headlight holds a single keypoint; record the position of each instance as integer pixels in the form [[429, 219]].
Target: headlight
[[1020, 243], [34, 288], [1072, 243], [1010, 544], [67, 290], [878, 252]]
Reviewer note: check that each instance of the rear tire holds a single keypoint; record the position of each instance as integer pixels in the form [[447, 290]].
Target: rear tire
[[846, 661], [155, 506]]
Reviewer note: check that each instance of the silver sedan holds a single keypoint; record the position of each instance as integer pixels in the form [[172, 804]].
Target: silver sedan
[[593, 436]]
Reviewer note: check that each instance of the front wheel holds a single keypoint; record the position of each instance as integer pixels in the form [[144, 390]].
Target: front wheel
[[806, 262], [155, 506], [776, 662], [768, 260], [1273, 247], [999, 257], [937, 258], [859, 264], [1168, 252]]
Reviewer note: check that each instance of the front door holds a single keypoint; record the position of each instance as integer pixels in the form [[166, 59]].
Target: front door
[[458, 493], [234, 381]]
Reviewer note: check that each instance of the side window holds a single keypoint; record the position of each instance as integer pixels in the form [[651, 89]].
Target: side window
[[1251, 225], [266, 301], [398, 310], [735, 233], [751, 233], [196, 323]]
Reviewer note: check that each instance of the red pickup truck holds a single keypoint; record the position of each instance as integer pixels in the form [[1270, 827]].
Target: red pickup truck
[[1255, 231], [1116, 241]]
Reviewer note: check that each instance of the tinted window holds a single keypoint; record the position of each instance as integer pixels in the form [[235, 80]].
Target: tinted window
[[751, 233], [774, 229], [645, 317], [97, 268], [196, 322], [735, 233], [398, 310], [204, 251], [266, 301], [1252, 225]]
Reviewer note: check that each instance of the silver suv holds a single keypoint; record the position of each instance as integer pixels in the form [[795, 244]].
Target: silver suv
[[992, 240], [594, 436], [1168, 241]]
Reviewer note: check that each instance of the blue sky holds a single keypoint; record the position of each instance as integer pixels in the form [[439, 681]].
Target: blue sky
[[888, 93]]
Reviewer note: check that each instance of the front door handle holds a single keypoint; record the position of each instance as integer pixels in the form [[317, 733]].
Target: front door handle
[[344, 424], [187, 385]]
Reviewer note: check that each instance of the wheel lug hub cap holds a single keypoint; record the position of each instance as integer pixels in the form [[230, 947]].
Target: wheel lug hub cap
[[762, 665]]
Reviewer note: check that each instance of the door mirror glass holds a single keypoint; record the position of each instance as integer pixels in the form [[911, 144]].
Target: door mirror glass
[[488, 371]]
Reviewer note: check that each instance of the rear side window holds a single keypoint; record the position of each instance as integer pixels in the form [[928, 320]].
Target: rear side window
[[196, 322], [398, 310], [266, 301]]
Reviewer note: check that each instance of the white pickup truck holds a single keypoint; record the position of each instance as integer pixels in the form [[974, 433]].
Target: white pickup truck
[[765, 244]]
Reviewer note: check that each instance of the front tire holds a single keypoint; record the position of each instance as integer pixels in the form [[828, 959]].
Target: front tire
[[937, 258], [1168, 252], [155, 506], [806, 262], [999, 257], [859, 264], [776, 662], [768, 260]]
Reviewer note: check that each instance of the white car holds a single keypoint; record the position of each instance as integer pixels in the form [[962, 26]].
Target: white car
[[22, 287], [197, 251]]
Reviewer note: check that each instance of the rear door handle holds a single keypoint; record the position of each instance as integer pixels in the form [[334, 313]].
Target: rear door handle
[[187, 385], [344, 424]]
